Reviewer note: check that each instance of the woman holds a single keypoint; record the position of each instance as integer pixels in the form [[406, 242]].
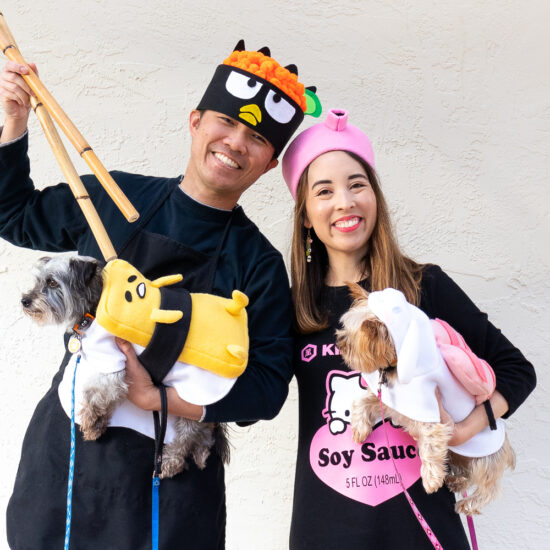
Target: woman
[[348, 495]]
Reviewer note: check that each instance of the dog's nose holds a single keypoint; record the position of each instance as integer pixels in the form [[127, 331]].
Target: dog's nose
[[25, 301]]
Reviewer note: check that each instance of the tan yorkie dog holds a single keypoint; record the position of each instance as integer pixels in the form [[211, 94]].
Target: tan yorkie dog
[[382, 329]]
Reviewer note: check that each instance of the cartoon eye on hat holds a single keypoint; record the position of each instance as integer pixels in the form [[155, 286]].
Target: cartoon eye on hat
[[251, 87]]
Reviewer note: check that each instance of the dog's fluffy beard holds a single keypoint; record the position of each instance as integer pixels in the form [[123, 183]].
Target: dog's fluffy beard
[[65, 289]]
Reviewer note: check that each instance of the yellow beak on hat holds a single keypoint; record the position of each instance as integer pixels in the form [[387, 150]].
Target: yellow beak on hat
[[251, 113]]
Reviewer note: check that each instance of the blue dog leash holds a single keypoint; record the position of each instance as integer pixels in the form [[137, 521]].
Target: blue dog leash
[[71, 464], [160, 432]]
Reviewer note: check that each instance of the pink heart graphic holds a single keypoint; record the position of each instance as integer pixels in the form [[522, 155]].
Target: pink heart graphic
[[365, 472]]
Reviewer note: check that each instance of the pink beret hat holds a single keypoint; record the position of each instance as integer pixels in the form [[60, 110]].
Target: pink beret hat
[[334, 134]]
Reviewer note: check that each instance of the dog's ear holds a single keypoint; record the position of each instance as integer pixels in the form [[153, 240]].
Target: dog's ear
[[84, 270], [357, 292], [43, 260], [378, 342]]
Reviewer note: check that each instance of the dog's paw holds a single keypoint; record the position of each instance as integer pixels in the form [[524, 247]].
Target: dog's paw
[[171, 466], [91, 425], [467, 507], [361, 433], [432, 485], [200, 456], [456, 484], [91, 435], [360, 427], [173, 460], [432, 477]]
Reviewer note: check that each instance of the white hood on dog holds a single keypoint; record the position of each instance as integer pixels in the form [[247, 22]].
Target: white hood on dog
[[412, 333], [420, 369]]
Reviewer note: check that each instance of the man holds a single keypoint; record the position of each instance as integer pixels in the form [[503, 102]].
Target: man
[[191, 225]]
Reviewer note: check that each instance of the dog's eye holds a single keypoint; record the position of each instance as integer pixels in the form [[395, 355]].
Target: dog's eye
[[51, 283]]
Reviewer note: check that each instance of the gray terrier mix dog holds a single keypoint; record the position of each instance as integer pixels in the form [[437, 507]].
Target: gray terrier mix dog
[[65, 290]]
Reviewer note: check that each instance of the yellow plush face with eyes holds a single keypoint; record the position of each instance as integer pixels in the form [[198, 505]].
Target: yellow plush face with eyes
[[218, 333], [129, 302]]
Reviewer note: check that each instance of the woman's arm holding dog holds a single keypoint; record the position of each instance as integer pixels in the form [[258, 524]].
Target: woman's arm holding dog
[[515, 375], [476, 421]]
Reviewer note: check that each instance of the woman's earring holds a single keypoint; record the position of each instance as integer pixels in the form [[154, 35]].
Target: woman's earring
[[309, 240]]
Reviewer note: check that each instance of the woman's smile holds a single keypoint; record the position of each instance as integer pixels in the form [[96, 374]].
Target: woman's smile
[[347, 224]]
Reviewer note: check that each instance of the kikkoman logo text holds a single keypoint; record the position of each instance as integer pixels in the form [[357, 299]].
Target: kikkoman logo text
[[309, 352]]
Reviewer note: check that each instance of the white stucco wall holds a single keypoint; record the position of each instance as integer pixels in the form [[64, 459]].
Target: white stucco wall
[[455, 96]]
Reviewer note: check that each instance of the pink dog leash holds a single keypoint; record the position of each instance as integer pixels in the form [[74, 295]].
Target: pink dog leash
[[423, 523], [429, 533], [471, 528]]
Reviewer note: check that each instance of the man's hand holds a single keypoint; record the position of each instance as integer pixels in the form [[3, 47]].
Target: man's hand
[[141, 390], [15, 97], [145, 395]]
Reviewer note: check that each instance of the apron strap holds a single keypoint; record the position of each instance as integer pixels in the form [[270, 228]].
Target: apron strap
[[160, 432], [160, 429], [168, 340], [219, 248], [144, 219]]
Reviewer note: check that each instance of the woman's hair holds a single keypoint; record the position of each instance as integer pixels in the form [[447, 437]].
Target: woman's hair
[[384, 262]]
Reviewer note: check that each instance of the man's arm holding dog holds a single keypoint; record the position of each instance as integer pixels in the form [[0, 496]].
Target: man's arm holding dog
[[259, 393], [145, 395]]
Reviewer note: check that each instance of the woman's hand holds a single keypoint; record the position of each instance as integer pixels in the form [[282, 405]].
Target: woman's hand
[[446, 418], [475, 422], [141, 390]]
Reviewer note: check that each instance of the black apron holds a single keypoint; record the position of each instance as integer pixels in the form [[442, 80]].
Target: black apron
[[111, 503]]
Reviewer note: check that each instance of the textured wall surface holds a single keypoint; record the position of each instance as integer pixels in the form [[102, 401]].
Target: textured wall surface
[[455, 96]]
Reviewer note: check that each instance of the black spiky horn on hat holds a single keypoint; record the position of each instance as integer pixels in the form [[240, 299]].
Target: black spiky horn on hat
[[240, 47], [292, 68], [265, 50]]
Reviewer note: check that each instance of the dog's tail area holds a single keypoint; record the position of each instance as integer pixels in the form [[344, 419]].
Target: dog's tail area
[[221, 442], [486, 474]]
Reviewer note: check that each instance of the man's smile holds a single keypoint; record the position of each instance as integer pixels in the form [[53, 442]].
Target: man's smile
[[226, 160]]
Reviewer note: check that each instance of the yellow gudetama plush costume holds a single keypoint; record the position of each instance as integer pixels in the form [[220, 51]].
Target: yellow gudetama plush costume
[[131, 308]]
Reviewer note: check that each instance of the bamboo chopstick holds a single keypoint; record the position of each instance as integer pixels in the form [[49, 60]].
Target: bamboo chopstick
[[11, 51], [74, 181]]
